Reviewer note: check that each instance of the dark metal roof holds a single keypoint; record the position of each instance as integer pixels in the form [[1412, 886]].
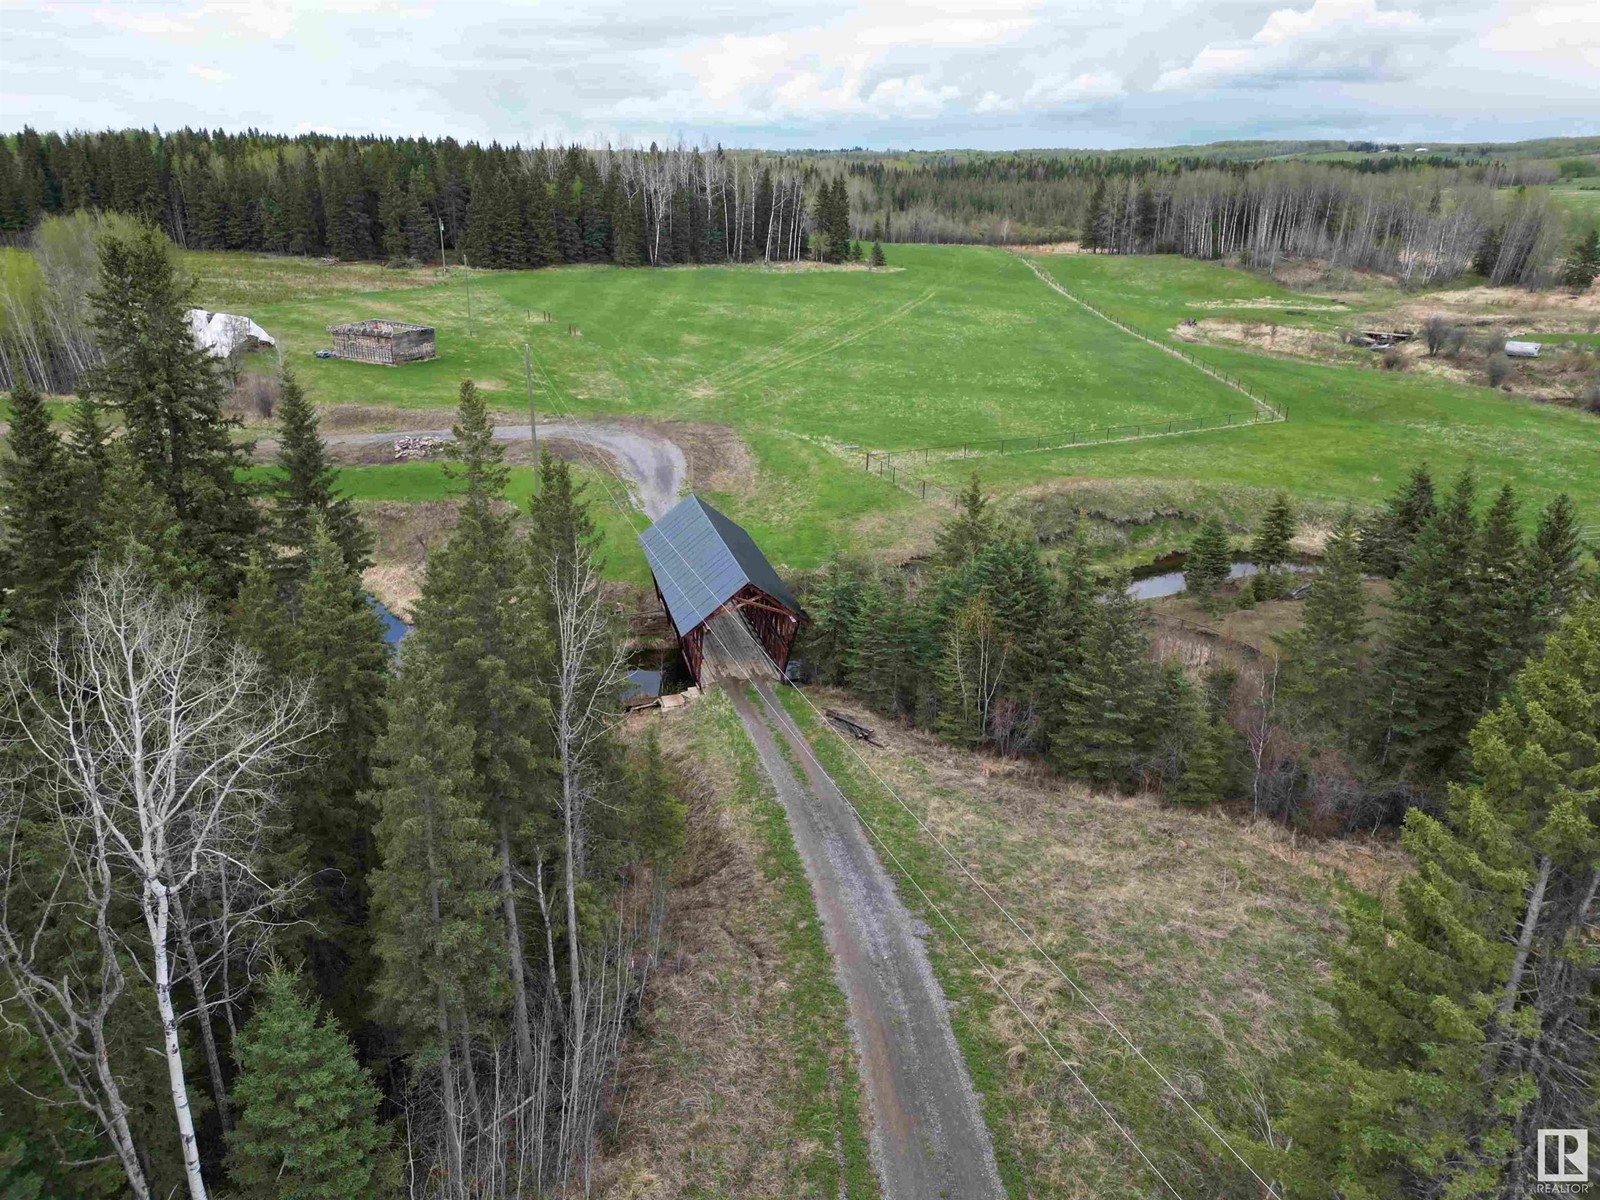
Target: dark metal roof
[[701, 559]]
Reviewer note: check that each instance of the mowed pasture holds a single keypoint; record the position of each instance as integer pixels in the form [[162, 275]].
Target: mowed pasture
[[1352, 432], [812, 367]]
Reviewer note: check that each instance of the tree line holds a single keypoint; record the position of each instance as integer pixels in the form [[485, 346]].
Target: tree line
[[1426, 223], [364, 198], [280, 913]]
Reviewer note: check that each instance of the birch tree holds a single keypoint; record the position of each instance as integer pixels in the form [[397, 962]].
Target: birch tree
[[153, 748]]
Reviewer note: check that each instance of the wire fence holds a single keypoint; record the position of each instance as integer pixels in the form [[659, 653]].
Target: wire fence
[[897, 466]]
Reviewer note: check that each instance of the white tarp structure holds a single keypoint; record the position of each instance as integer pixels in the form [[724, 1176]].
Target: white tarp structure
[[223, 333], [1523, 349]]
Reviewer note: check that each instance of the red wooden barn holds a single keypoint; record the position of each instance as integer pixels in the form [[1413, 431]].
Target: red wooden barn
[[734, 617]]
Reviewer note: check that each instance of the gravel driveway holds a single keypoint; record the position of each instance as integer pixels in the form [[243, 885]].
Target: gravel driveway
[[654, 466], [928, 1137]]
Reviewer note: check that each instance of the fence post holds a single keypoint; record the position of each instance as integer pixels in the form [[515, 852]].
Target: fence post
[[869, 461]]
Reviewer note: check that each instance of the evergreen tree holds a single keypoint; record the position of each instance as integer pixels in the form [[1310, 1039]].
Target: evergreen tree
[[1427, 687], [1505, 599], [434, 892], [1209, 563], [1386, 540], [1108, 719], [1463, 1018], [171, 398], [306, 493], [1092, 235], [1195, 767], [44, 538], [834, 607], [1324, 678], [969, 531], [1554, 562], [484, 628], [307, 1127], [877, 261], [1270, 547], [1579, 269]]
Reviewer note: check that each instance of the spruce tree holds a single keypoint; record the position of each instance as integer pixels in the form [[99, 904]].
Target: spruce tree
[[1195, 748], [171, 395], [877, 260], [1324, 679], [833, 605], [434, 892], [307, 1124], [485, 631], [1554, 562], [1387, 538], [1108, 717], [1504, 600], [1209, 563], [44, 537], [1427, 689], [306, 492], [969, 531], [1269, 549], [1462, 1018]]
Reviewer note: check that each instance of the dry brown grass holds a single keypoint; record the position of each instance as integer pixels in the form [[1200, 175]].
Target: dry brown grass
[[1205, 938], [701, 1106], [404, 533]]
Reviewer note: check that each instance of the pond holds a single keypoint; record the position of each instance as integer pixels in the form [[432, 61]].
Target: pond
[[393, 627], [1159, 579]]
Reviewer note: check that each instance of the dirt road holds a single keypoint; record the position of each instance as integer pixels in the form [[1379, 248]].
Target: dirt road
[[653, 465], [928, 1138]]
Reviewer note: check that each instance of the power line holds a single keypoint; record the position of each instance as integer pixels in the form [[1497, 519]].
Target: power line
[[628, 514]]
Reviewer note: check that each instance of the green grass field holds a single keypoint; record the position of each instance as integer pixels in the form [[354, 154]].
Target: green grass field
[[811, 366]]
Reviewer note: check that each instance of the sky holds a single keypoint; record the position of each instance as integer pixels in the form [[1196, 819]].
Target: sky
[[983, 74]]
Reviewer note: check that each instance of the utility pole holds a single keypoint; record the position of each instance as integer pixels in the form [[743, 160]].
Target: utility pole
[[443, 266], [533, 420]]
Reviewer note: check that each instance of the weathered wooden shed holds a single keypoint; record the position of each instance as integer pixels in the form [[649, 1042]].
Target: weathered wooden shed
[[387, 342], [734, 617]]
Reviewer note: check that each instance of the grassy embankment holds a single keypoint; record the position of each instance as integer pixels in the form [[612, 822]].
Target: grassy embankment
[[1204, 939], [741, 1079]]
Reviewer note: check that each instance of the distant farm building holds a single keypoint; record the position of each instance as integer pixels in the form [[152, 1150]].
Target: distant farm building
[[387, 342], [1522, 349], [734, 617], [220, 334]]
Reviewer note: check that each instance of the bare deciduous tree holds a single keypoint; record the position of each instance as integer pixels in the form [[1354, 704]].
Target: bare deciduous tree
[[152, 747]]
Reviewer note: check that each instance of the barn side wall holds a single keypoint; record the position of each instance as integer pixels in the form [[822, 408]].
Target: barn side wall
[[413, 346], [363, 347]]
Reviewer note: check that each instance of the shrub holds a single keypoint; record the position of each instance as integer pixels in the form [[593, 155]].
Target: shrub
[[255, 396], [1591, 398], [1394, 359], [1436, 333], [1497, 369]]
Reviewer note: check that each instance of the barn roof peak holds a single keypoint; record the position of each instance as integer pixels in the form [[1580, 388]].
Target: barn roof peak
[[700, 560]]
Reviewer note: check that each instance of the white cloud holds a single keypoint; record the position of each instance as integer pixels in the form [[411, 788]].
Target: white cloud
[[1542, 31], [1339, 40], [983, 73]]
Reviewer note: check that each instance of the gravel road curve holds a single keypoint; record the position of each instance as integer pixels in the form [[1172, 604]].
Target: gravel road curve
[[654, 466], [928, 1137]]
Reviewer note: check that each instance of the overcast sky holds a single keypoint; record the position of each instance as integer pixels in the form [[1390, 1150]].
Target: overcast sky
[[1095, 73]]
